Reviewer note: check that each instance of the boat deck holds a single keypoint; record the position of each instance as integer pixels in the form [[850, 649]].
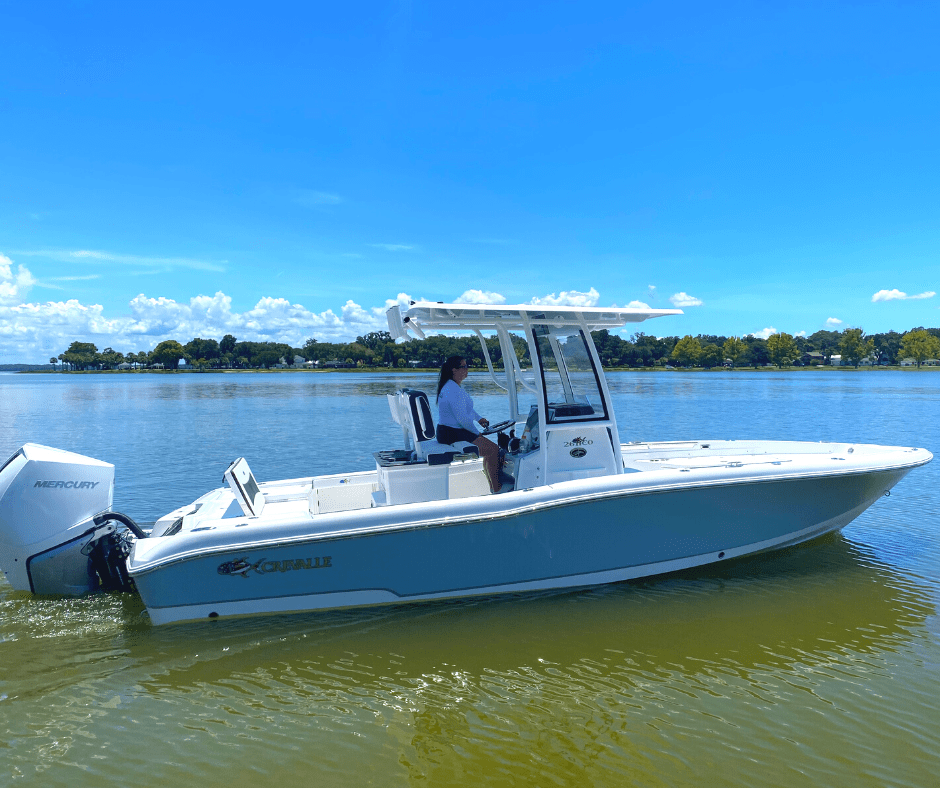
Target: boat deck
[[307, 502]]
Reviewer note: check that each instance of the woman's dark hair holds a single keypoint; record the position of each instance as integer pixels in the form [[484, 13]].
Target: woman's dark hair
[[447, 372]]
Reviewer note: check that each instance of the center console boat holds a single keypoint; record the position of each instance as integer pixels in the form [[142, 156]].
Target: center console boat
[[578, 507]]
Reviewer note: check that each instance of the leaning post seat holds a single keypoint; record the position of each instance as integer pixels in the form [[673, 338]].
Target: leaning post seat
[[410, 409], [425, 470]]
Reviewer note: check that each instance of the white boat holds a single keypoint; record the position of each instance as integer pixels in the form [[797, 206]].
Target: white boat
[[579, 508]]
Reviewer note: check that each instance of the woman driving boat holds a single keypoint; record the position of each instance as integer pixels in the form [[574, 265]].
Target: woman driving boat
[[456, 417]]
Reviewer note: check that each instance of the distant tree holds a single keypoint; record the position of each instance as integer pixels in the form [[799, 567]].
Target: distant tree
[[111, 358], [53, 361], [711, 356], [81, 355], [227, 345], [652, 350], [266, 358], [825, 342], [757, 354], [168, 353], [613, 350], [711, 339], [919, 345], [782, 349], [887, 346], [687, 352], [375, 340], [854, 346], [202, 350], [734, 349]]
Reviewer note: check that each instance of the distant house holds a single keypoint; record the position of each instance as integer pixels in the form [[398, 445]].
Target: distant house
[[835, 360], [299, 361], [931, 362], [907, 362], [814, 358], [124, 365]]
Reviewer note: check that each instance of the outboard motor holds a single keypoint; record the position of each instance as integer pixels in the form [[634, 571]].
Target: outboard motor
[[57, 535]]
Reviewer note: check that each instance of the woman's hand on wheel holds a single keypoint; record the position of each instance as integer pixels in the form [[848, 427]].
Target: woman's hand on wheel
[[497, 427]]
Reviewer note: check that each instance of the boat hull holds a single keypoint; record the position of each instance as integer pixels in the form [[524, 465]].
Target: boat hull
[[605, 535]]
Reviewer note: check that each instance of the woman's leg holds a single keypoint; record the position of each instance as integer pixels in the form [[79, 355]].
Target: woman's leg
[[490, 454]]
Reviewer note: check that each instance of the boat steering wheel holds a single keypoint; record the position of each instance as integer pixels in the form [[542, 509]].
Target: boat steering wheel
[[498, 427]]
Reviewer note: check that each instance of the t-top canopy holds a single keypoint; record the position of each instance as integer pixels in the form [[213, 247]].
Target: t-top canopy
[[466, 317]]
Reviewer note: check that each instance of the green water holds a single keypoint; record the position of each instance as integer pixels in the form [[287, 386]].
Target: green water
[[818, 665]]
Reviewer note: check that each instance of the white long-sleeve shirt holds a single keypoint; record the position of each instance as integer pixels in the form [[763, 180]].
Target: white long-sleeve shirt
[[455, 408]]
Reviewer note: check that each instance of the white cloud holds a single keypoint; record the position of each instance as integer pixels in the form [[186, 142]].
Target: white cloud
[[897, 295], [651, 293], [637, 305], [314, 199], [394, 247], [765, 333], [800, 334], [403, 300], [33, 332], [480, 297], [568, 298], [93, 256], [13, 286], [354, 315], [684, 299], [833, 322]]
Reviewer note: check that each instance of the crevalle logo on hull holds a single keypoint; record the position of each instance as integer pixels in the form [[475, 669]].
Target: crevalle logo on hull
[[243, 566]]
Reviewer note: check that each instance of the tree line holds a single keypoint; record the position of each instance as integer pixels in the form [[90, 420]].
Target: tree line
[[378, 349], [780, 349]]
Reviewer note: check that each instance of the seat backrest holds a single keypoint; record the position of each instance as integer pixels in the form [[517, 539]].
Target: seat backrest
[[410, 409], [419, 411]]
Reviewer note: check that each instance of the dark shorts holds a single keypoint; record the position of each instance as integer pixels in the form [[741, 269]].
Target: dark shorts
[[450, 435]]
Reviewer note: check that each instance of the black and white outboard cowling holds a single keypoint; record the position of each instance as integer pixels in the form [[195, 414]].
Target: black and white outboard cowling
[[57, 533]]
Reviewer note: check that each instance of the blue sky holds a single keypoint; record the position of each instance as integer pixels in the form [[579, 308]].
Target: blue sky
[[282, 170]]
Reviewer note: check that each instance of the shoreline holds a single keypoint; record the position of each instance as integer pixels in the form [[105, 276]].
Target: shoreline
[[426, 370]]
